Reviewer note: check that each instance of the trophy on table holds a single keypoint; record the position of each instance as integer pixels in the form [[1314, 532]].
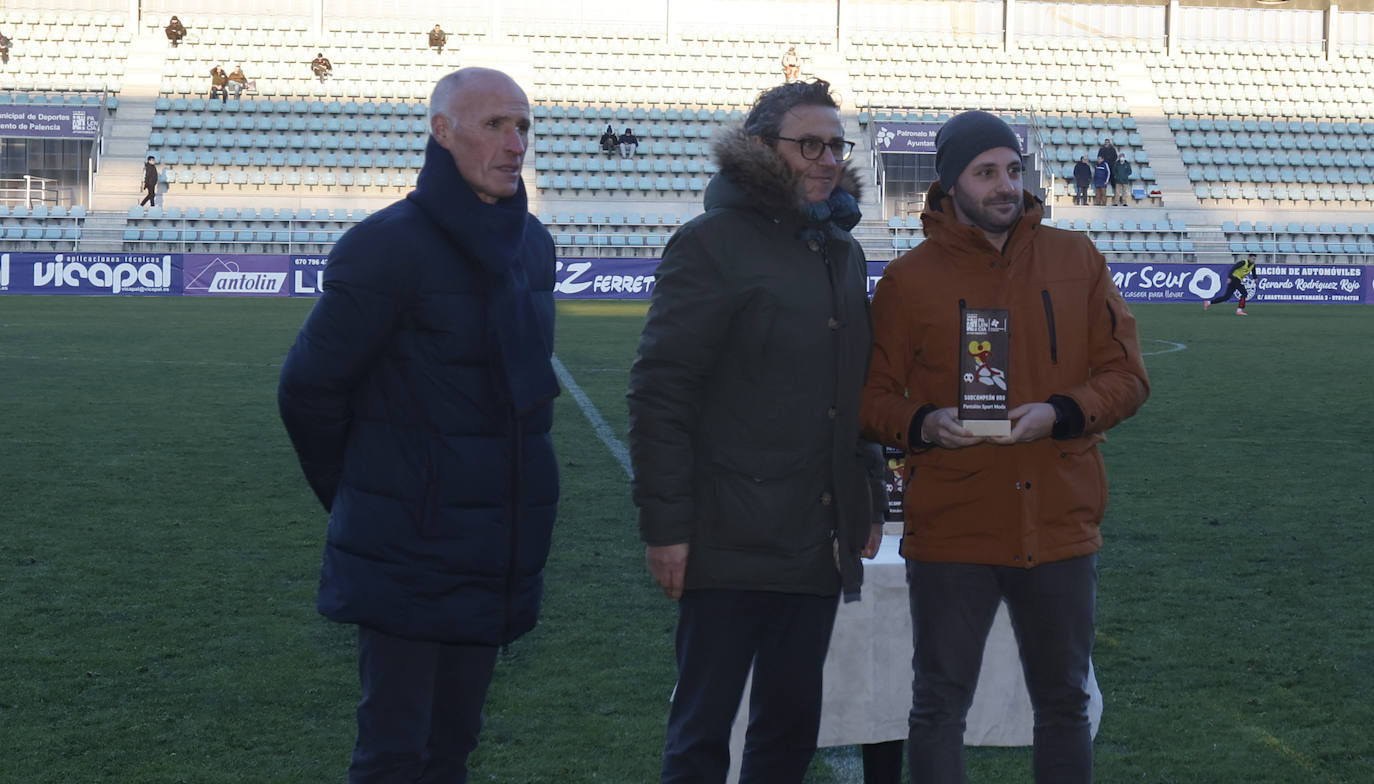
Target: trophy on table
[[983, 360]]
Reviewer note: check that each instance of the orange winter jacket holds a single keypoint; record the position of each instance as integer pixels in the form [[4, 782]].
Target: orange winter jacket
[[1070, 333]]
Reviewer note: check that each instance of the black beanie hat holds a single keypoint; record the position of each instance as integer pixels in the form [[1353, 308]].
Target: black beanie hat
[[965, 137]]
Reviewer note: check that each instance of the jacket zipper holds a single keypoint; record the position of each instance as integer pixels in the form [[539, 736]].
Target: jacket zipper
[[831, 272], [514, 517], [1049, 320]]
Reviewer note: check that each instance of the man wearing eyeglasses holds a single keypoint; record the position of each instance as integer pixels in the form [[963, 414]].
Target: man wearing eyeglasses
[[993, 518], [756, 497]]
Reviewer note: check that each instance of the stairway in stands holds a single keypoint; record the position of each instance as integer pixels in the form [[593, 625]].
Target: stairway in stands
[[119, 180], [1153, 126]]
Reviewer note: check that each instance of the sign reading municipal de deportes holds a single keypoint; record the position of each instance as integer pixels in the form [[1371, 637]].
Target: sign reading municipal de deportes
[[50, 122]]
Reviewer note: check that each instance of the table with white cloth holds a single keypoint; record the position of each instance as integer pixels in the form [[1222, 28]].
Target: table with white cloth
[[868, 673]]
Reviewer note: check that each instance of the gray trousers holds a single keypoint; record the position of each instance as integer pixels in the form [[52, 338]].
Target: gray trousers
[[1052, 608]]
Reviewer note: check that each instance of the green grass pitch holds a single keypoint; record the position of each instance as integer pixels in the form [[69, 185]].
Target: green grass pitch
[[159, 555]]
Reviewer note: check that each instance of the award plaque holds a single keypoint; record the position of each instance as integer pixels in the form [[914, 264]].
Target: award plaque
[[983, 359], [894, 485]]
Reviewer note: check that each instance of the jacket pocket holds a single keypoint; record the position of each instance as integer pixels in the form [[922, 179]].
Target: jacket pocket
[[1049, 324], [1079, 480], [766, 500]]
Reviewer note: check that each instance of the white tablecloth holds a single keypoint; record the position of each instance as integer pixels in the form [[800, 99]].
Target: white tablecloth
[[868, 673]]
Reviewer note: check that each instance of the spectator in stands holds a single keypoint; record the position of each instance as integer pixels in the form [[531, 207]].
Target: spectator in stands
[[448, 295], [438, 38], [1235, 284], [237, 81], [321, 66], [1102, 175], [791, 65], [609, 141], [149, 181], [629, 143], [976, 533], [4, 48], [722, 387], [1107, 152], [1121, 179], [1082, 180], [219, 80], [175, 31]]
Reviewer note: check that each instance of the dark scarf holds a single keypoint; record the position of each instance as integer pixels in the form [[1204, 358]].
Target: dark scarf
[[492, 236], [841, 210]]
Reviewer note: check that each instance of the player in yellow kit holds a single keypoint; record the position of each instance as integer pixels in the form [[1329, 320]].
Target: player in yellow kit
[[1235, 281]]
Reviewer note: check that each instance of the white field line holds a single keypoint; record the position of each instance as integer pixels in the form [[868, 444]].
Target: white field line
[[1171, 347], [598, 422]]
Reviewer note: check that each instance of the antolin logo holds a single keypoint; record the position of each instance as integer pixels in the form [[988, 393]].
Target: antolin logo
[[228, 276], [247, 282]]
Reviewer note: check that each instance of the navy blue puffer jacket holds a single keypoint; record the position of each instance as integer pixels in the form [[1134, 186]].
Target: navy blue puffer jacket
[[418, 396]]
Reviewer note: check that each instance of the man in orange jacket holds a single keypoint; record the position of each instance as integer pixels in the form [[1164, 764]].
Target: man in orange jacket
[[1012, 517]]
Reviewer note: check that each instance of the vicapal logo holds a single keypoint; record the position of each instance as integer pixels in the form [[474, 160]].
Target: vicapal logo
[[118, 277]]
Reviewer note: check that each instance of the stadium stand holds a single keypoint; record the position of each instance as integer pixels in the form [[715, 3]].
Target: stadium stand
[[41, 227], [1243, 129], [234, 230], [58, 54]]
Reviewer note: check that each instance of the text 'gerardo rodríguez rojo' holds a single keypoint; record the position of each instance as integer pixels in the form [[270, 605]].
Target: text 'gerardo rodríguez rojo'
[[983, 360]]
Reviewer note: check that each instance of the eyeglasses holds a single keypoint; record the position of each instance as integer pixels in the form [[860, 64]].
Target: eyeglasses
[[812, 148]]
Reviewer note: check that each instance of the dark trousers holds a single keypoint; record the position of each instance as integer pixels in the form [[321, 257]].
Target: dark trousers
[[1051, 608], [883, 762], [1232, 286], [719, 635], [152, 193], [1080, 195], [421, 709]]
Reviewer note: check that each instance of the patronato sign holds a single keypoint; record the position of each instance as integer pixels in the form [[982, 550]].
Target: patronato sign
[[50, 122], [909, 137]]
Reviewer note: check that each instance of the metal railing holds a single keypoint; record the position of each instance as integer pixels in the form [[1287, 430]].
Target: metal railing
[[183, 235], [28, 190]]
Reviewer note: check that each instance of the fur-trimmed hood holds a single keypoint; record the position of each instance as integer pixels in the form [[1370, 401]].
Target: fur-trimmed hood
[[765, 178]]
